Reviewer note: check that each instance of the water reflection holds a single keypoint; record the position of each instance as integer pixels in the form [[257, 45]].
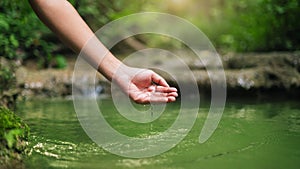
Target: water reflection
[[263, 132]]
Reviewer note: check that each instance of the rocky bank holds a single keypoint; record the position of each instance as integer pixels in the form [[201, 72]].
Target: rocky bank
[[13, 131], [247, 75]]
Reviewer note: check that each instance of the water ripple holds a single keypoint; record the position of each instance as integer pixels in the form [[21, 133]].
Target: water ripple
[[63, 150]]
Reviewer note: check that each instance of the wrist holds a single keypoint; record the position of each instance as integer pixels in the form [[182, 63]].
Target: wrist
[[110, 66]]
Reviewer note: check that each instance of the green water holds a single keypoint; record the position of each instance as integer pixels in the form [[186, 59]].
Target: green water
[[254, 135]]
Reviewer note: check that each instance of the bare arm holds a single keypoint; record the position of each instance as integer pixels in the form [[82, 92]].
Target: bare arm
[[61, 17], [64, 21]]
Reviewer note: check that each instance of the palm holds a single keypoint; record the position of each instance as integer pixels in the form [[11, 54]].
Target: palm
[[146, 86]]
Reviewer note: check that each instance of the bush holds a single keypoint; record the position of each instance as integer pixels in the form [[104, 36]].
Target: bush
[[284, 26], [257, 25], [244, 26], [23, 35]]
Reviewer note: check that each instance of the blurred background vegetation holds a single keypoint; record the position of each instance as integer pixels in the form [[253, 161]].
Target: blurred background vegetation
[[231, 25]]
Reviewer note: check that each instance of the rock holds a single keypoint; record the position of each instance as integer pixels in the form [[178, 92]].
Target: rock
[[272, 70], [250, 73], [51, 82]]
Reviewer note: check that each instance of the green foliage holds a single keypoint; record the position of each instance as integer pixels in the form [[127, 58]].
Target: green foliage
[[12, 136], [243, 26], [22, 34], [8, 89], [257, 25], [60, 61], [99, 12], [284, 27], [12, 130], [7, 77]]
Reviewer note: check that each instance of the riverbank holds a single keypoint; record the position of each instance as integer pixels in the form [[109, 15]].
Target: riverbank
[[13, 131], [248, 75]]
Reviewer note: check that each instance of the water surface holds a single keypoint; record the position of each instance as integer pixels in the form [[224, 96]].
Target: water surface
[[258, 135]]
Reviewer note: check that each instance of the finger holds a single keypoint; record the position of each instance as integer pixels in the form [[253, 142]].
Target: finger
[[171, 99], [158, 94], [154, 97], [145, 98], [174, 94], [159, 80], [162, 97], [165, 89]]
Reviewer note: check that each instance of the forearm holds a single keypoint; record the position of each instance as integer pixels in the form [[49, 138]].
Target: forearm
[[61, 17]]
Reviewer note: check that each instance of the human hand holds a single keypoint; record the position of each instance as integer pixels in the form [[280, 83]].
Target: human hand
[[145, 86]]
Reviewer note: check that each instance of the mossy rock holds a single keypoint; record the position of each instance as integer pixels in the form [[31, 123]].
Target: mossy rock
[[13, 137]]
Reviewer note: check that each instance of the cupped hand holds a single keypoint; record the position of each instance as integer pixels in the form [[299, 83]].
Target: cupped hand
[[145, 86]]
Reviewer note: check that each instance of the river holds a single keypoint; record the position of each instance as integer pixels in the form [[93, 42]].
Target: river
[[251, 134]]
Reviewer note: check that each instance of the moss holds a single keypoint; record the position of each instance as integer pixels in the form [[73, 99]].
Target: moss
[[13, 137]]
